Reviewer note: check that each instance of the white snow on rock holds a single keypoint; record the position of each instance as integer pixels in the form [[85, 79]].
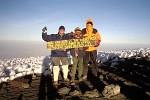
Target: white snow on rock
[[19, 67], [121, 55]]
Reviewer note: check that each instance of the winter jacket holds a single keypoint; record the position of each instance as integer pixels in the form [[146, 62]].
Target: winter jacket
[[55, 37], [89, 32], [79, 51]]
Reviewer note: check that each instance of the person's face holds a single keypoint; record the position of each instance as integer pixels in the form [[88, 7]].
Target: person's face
[[61, 31], [89, 24], [77, 32]]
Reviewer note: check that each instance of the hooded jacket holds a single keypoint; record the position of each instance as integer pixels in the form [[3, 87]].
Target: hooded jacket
[[89, 32]]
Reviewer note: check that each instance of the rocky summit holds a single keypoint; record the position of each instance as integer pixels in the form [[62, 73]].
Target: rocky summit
[[121, 76]]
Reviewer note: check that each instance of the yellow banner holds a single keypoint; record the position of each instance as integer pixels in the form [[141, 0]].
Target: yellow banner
[[71, 43]]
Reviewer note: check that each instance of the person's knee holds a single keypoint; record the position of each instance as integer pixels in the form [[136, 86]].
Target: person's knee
[[64, 61]]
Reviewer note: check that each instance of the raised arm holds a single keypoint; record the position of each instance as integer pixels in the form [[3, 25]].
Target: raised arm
[[46, 37]]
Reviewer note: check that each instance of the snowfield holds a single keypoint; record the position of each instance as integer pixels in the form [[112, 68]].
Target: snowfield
[[18, 67]]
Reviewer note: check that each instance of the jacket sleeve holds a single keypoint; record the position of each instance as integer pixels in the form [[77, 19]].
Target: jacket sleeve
[[98, 37], [47, 38]]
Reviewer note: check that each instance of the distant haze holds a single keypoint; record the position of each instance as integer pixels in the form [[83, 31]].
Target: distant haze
[[10, 49], [19, 49], [121, 46]]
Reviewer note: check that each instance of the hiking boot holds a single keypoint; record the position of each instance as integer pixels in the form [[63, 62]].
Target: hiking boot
[[66, 80], [84, 77], [72, 83], [55, 83], [80, 80]]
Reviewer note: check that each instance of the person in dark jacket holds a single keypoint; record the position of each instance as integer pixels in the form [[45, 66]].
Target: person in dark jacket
[[58, 55], [77, 57]]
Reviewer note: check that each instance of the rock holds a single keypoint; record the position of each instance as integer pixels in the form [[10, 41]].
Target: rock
[[122, 59], [3, 85], [111, 90], [20, 97], [148, 93], [20, 83], [119, 97], [101, 77], [25, 85], [115, 59], [91, 94], [64, 90], [38, 75], [74, 93], [114, 64]]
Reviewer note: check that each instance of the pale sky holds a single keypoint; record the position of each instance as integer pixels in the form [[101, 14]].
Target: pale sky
[[118, 21]]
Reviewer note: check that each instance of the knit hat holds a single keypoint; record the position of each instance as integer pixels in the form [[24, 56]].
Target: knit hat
[[77, 29], [61, 27], [90, 21]]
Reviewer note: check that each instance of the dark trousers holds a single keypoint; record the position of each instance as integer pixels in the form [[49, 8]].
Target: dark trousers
[[77, 62], [90, 56]]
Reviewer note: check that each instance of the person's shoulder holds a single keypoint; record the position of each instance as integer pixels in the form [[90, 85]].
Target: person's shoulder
[[83, 31], [84, 28], [69, 35], [95, 30]]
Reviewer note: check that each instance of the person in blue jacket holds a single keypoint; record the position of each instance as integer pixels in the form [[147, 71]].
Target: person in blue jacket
[[58, 55]]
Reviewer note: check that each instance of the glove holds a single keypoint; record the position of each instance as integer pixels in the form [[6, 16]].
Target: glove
[[44, 30], [96, 45], [97, 42]]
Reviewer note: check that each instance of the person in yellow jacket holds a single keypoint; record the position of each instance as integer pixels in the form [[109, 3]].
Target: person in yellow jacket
[[90, 52]]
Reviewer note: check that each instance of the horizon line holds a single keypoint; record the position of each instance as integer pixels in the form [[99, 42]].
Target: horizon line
[[101, 42]]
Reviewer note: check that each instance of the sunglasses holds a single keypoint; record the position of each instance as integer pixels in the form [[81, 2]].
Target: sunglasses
[[89, 23]]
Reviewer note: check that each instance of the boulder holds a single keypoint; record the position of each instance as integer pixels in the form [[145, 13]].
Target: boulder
[[111, 90], [91, 94], [74, 93], [64, 90], [20, 83]]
